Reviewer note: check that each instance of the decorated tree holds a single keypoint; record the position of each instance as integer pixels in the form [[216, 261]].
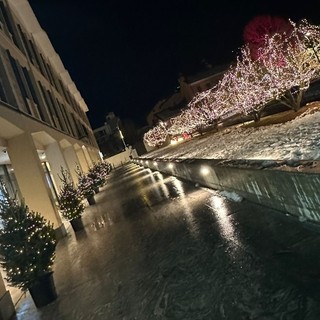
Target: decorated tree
[[99, 172], [278, 62], [290, 64], [230, 95], [180, 124], [203, 109], [70, 198], [156, 136], [27, 243], [97, 177], [263, 26], [224, 95], [106, 167], [251, 89], [311, 38], [86, 185]]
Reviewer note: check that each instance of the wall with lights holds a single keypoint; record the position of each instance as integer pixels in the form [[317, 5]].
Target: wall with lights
[[295, 193]]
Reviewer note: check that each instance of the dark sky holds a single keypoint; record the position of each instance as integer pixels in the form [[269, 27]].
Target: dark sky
[[124, 56]]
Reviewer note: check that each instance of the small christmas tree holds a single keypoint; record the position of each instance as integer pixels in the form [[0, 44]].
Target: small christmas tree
[[70, 198], [98, 173], [86, 185], [104, 168], [27, 242]]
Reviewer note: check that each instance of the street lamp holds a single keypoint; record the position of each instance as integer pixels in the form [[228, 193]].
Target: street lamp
[[122, 138]]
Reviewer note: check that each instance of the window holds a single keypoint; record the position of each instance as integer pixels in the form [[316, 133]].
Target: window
[[47, 105], [3, 96], [62, 116], [54, 111], [21, 82], [38, 112], [64, 91], [8, 177], [69, 121], [26, 45], [8, 23], [35, 54]]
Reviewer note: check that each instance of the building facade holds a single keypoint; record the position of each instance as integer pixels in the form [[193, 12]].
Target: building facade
[[189, 87], [43, 121], [109, 137]]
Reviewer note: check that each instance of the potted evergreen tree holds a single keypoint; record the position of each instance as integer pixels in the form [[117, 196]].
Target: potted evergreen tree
[[70, 201], [86, 187], [27, 249], [104, 168], [96, 174]]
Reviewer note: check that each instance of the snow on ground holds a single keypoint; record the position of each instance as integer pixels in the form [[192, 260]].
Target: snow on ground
[[295, 140]]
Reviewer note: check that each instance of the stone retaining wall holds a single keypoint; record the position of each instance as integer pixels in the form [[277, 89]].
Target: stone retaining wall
[[296, 193]]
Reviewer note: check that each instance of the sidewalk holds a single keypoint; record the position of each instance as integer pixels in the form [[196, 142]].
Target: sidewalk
[[158, 248]]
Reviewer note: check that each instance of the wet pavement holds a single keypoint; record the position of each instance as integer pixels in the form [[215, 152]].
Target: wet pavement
[[155, 247]]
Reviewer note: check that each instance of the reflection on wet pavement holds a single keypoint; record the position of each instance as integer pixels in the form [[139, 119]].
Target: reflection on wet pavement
[[155, 247]]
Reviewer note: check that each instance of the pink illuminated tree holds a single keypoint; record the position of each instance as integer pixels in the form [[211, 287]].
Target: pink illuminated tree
[[263, 26]]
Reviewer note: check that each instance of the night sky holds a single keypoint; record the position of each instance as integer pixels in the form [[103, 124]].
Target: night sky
[[125, 56]]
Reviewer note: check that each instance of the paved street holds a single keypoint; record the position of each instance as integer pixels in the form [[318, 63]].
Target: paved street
[[155, 247]]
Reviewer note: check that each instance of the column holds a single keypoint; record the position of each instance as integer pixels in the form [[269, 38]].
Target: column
[[82, 160], [95, 156], [56, 160], [72, 162], [87, 156], [31, 179]]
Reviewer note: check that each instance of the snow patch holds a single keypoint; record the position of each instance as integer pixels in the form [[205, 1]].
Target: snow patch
[[233, 196], [295, 140]]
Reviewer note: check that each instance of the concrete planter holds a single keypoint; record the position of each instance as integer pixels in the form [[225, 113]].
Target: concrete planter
[[91, 200], [44, 291], [77, 224]]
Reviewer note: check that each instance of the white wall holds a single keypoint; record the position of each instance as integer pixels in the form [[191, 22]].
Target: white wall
[[121, 158]]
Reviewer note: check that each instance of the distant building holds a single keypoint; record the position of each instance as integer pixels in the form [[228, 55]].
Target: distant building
[[109, 137], [202, 81], [167, 108], [189, 86]]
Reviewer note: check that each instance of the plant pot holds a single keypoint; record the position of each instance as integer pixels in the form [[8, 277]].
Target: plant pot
[[91, 200], [77, 224], [43, 292]]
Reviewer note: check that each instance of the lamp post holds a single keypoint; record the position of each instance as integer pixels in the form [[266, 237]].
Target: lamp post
[[122, 138]]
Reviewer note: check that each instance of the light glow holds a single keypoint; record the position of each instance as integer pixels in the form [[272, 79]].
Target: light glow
[[204, 171]]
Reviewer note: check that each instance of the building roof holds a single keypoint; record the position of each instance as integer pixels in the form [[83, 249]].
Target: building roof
[[206, 73], [172, 111]]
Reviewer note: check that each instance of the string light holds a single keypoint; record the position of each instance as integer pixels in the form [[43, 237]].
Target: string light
[[27, 243], [282, 69]]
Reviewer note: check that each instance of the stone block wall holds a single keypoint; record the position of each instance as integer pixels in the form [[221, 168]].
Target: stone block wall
[[296, 193]]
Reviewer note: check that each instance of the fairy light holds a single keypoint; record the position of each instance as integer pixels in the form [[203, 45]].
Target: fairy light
[[282, 69], [27, 243], [156, 136]]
